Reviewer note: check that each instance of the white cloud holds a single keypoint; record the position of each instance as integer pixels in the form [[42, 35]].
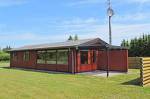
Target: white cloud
[[91, 29], [119, 32], [21, 39], [83, 2], [138, 1], [28, 36], [136, 17], [81, 21], [91, 2], [77, 23], [85, 28]]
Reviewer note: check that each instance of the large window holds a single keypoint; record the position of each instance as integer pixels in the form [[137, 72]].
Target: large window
[[26, 56], [84, 57], [41, 57], [62, 57], [51, 57], [14, 56]]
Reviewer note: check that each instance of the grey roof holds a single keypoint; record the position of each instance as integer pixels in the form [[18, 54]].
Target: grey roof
[[96, 42]]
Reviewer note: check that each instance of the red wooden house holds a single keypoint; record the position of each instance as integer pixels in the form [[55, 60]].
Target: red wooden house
[[71, 56]]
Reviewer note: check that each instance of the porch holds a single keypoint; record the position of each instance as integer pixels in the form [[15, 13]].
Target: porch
[[101, 73]]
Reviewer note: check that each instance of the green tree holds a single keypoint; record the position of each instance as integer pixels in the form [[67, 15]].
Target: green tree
[[70, 38], [76, 37], [6, 49], [123, 44], [138, 46]]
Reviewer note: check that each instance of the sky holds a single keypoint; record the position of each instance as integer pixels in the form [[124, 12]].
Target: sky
[[25, 22]]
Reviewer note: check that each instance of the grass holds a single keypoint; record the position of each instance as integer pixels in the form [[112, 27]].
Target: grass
[[4, 64], [21, 84]]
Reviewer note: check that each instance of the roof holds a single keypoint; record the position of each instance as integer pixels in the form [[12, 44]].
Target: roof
[[96, 42]]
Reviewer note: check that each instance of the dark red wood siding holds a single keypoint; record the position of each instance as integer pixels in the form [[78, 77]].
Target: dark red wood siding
[[24, 64], [118, 60], [32, 64]]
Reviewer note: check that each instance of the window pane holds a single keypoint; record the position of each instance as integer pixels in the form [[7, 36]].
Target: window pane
[[26, 56], [51, 57], [41, 57], [84, 57], [62, 57]]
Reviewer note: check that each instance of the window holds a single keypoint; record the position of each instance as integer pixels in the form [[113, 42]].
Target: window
[[84, 57], [62, 57], [41, 57], [51, 57], [14, 56], [94, 56], [26, 56]]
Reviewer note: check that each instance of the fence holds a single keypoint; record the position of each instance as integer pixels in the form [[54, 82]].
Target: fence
[[145, 71], [134, 62], [142, 63]]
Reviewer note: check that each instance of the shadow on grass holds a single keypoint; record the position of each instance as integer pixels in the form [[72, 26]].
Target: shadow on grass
[[35, 70], [133, 82]]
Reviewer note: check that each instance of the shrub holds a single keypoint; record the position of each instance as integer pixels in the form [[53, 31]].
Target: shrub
[[4, 56]]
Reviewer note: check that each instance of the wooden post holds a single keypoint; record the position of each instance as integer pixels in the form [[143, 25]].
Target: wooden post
[[141, 71]]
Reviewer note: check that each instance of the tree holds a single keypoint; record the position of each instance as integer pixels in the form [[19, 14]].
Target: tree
[[7, 48], [76, 37], [123, 43], [138, 46], [70, 38]]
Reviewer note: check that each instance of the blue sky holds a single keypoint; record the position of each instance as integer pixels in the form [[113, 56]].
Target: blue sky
[[24, 22]]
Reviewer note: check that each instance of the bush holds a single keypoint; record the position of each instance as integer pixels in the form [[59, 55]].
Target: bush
[[4, 56]]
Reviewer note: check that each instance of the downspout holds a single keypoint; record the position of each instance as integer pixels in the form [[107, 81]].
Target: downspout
[[72, 55], [107, 51], [75, 59], [69, 59]]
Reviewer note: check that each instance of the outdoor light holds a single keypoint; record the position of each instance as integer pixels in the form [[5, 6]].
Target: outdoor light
[[110, 13]]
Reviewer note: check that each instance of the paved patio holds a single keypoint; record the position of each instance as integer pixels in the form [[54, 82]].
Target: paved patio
[[92, 73], [103, 73]]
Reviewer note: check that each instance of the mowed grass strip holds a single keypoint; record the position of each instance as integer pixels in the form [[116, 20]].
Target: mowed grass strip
[[21, 84]]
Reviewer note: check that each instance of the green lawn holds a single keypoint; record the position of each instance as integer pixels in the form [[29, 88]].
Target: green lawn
[[21, 84], [4, 64]]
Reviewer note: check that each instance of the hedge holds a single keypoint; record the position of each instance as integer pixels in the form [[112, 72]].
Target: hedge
[[4, 56]]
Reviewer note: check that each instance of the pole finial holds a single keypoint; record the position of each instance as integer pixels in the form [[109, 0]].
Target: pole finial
[[110, 13]]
